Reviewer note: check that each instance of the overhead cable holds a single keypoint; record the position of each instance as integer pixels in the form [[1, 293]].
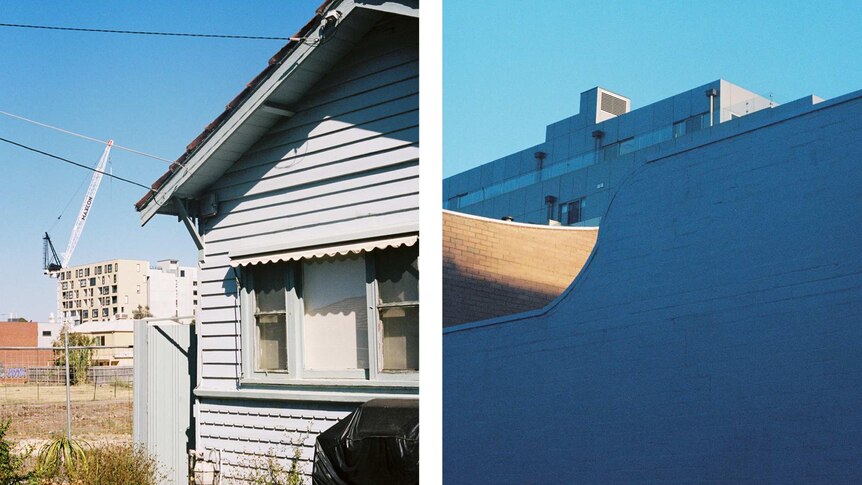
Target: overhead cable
[[85, 137], [138, 32], [74, 163]]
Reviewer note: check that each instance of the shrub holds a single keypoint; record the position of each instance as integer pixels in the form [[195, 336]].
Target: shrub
[[61, 456], [124, 464], [11, 465], [269, 471]]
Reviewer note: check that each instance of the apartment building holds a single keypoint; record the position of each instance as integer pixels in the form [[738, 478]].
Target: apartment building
[[172, 289], [114, 289], [103, 290]]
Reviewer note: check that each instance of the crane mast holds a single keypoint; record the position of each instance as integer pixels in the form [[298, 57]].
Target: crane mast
[[85, 205], [54, 265]]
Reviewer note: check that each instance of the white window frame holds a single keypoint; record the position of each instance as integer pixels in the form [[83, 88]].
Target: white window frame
[[295, 373]]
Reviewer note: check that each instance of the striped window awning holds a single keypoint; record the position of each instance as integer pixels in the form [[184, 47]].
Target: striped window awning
[[322, 251]]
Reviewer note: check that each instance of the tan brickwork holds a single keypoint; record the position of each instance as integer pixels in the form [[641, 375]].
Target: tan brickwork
[[493, 268]]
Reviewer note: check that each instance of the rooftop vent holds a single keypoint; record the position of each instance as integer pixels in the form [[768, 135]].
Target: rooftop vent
[[613, 104], [601, 105]]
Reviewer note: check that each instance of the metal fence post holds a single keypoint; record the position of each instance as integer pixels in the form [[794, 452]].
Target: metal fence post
[[68, 392]]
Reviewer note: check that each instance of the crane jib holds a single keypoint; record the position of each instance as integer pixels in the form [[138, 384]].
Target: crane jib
[[86, 208]]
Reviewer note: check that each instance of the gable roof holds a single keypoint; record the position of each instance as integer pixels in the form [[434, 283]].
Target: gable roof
[[267, 98]]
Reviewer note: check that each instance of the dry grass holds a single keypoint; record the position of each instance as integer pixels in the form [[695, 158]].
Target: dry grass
[[37, 414], [34, 394]]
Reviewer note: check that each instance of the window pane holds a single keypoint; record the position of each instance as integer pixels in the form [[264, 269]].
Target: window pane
[[269, 287], [335, 325], [398, 274], [400, 338], [271, 335]]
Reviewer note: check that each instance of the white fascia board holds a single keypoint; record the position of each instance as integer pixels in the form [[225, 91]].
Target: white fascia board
[[234, 122], [409, 8]]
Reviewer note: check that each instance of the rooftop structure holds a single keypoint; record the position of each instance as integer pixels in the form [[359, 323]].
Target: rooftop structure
[[569, 177]]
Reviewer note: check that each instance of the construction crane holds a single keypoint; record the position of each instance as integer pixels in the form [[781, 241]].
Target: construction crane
[[52, 264]]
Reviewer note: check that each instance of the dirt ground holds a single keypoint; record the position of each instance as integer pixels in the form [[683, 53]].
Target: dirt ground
[[38, 414]]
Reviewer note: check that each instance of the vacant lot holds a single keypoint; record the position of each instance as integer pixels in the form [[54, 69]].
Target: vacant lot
[[33, 394], [39, 412]]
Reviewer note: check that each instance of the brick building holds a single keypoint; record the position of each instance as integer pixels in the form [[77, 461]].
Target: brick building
[[15, 362], [493, 268]]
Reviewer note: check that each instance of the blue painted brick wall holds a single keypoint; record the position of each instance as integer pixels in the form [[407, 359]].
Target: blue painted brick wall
[[716, 336]]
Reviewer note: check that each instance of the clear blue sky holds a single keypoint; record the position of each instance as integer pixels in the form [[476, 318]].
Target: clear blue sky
[[511, 67], [154, 94]]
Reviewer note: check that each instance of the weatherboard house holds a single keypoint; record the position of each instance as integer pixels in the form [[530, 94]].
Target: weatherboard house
[[712, 336], [302, 198]]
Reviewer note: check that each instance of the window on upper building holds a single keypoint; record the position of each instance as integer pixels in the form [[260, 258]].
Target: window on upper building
[[109, 268], [454, 202], [310, 319], [46, 333], [182, 273], [610, 151], [571, 212]]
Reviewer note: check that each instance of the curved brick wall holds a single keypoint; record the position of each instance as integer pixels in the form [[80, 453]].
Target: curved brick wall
[[493, 268]]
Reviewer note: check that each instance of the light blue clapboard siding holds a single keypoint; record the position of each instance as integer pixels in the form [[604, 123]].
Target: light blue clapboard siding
[[248, 435], [347, 160]]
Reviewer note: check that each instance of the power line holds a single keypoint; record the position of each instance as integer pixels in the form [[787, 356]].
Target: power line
[[85, 137], [138, 32], [74, 163]]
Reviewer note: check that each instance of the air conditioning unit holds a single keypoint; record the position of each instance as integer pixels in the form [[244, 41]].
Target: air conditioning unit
[[605, 104]]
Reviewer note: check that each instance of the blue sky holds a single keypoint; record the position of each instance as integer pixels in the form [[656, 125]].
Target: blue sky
[[154, 94], [511, 67]]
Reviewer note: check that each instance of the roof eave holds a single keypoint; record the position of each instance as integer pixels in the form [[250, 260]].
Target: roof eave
[[248, 100]]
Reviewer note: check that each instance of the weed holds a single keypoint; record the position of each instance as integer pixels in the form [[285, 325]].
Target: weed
[[12, 470]]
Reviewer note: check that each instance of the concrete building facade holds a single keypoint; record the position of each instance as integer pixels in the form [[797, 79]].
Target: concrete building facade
[[172, 289], [111, 333], [569, 178], [714, 336], [103, 291], [110, 290], [48, 333]]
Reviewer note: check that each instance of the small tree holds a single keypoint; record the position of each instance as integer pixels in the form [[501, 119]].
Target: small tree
[[141, 312], [79, 359]]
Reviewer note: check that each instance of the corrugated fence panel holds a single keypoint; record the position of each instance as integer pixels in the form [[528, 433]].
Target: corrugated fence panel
[[164, 376]]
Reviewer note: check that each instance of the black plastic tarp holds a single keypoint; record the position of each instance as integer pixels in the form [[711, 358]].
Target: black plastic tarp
[[376, 444]]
